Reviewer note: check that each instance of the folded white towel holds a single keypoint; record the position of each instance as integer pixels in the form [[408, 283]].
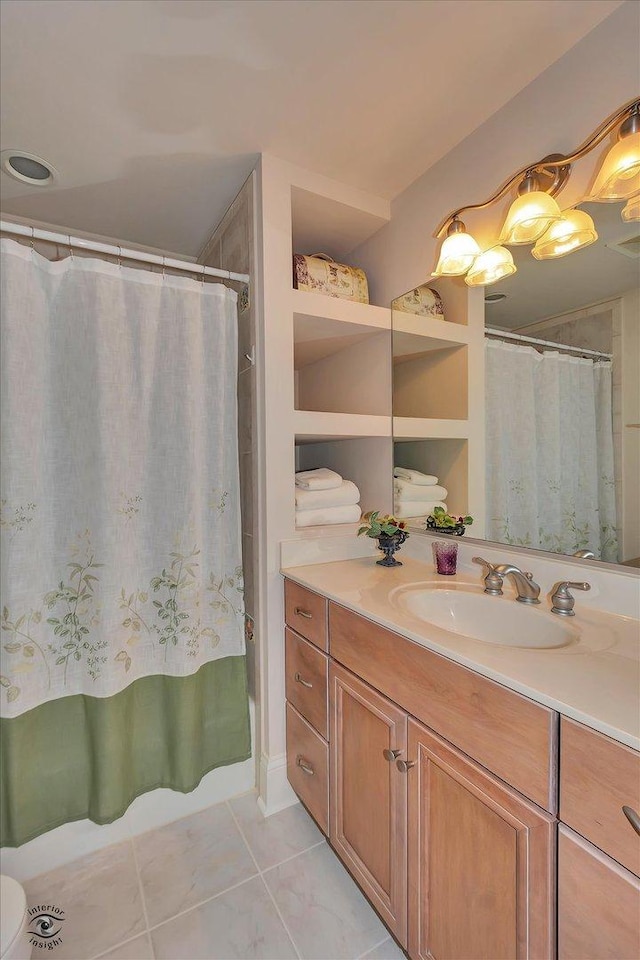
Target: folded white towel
[[416, 508], [321, 479], [327, 515], [344, 495], [403, 490], [414, 476]]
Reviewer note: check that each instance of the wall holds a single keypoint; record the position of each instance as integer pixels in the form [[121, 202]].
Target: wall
[[554, 113]]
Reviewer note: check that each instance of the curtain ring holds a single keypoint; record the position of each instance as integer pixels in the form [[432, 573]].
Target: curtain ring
[[203, 272], [70, 246], [33, 239], [163, 265], [119, 256]]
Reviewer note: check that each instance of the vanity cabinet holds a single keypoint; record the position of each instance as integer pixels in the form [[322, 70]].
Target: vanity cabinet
[[481, 860], [598, 903], [598, 847], [368, 795]]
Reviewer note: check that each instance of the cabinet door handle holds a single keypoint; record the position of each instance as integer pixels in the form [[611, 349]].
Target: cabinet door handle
[[391, 755], [304, 766], [304, 683], [299, 612], [632, 817], [404, 765]]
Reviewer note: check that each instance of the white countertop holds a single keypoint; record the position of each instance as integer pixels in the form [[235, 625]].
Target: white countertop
[[594, 680]]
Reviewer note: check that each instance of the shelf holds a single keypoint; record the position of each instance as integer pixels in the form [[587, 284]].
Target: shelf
[[321, 224], [312, 426], [307, 305], [415, 336], [418, 428]]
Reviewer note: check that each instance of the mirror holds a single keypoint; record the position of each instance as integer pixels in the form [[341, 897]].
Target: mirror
[[538, 441]]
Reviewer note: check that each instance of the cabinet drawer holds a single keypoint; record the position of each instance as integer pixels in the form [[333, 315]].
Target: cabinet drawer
[[598, 903], [306, 679], [308, 767], [306, 613], [598, 776], [504, 731]]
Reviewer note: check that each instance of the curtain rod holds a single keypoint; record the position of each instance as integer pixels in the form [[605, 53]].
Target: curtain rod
[[35, 233], [507, 335]]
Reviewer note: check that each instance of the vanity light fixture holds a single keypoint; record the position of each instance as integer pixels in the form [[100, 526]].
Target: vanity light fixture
[[574, 230], [492, 265], [459, 250], [631, 210], [535, 217], [531, 213], [619, 174]]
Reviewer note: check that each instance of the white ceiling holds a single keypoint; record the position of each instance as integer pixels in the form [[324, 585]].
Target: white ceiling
[[154, 111]]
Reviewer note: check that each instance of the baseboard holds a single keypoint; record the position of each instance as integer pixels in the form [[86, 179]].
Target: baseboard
[[155, 809], [274, 790]]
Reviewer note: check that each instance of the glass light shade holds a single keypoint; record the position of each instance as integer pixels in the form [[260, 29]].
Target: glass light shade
[[458, 252], [631, 210], [529, 216], [491, 266], [576, 229], [619, 175]]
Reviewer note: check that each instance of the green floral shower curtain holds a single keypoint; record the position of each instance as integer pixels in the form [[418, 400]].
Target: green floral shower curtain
[[122, 646]]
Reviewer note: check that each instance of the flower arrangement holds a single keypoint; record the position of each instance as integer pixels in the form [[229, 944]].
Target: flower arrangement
[[445, 522], [375, 525], [388, 531]]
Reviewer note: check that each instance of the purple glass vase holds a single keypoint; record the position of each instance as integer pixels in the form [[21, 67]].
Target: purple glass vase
[[446, 557]]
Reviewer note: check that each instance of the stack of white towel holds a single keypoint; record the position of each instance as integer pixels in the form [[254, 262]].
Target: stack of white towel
[[323, 497], [415, 494]]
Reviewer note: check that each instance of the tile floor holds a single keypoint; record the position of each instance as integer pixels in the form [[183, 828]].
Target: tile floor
[[224, 883]]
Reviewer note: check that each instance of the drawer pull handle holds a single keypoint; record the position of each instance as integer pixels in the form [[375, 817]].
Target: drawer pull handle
[[632, 817], [299, 612], [304, 683], [304, 766], [404, 765], [391, 755]]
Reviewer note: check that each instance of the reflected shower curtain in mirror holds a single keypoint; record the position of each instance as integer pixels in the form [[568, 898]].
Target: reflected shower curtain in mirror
[[549, 451], [122, 645]]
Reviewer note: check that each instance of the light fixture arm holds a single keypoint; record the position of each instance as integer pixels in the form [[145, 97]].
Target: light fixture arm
[[555, 162]]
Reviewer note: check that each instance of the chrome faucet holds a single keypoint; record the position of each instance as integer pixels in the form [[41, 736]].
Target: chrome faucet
[[562, 602], [527, 589], [585, 555]]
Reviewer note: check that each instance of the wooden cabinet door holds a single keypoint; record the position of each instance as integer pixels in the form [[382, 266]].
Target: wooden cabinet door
[[368, 807], [598, 903], [481, 861]]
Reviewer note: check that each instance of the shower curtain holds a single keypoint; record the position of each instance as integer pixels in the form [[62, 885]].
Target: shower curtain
[[549, 451], [122, 643]]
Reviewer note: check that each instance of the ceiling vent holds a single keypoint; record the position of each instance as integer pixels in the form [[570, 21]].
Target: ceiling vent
[[628, 248], [27, 168]]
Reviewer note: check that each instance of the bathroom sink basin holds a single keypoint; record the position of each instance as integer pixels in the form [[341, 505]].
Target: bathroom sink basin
[[469, 612]]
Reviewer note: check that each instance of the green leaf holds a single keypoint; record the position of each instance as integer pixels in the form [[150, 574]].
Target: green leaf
[[5, 682], [13, 693], [60, 660], [12, 647]]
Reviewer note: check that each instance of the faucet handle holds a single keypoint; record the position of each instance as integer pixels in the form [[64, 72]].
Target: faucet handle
[[562, 602], [493, 580]]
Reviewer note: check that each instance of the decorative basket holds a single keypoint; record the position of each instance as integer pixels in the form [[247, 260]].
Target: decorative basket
[[321, 274], [423, 301]]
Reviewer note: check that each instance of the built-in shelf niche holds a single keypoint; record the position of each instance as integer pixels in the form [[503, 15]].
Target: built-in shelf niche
[[447, 459], [432, 384], [322, 224], [368, 461]]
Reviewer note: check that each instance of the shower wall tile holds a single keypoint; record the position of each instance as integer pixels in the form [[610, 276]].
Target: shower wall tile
[[100, 896], [191, 860], [246, 491]]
